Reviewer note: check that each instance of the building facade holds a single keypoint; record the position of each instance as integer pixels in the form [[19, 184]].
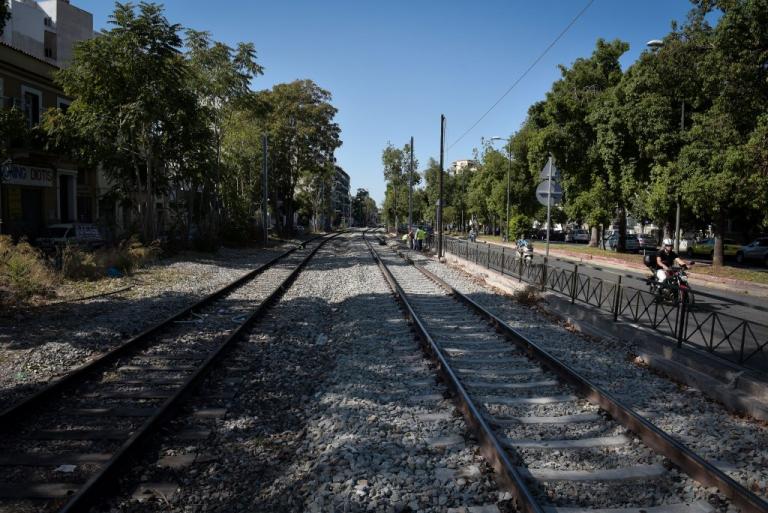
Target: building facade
[[459, 166], [38, 188], [341, 201], [47, 29]]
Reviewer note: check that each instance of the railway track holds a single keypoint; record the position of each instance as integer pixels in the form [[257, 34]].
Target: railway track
[[557, 442], [63, 448]]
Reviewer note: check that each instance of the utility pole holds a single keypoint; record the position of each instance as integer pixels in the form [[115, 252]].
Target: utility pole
[[677, 212], [549, 206], [509, 169], [410, 190], [440, 200], [264, 183]]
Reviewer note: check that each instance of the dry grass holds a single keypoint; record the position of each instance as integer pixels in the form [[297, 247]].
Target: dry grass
[[528, 296], [23, 273], [130, 255]]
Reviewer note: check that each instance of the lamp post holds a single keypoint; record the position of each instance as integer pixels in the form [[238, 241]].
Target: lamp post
[[655, 44], [410, 190], [509, 168]]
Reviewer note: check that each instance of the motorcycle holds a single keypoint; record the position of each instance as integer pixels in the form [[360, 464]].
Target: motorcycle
[[674, 289], [525, 250]]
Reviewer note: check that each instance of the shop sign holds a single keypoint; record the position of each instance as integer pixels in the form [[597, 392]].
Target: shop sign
[[14, 174]]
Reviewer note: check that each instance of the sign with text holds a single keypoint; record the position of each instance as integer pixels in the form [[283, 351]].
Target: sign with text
[[14, 174]]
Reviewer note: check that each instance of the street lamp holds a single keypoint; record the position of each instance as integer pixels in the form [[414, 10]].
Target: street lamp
[[655, 44], [509, 167]]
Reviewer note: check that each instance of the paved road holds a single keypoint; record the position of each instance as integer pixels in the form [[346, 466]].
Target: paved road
[[727, 301]]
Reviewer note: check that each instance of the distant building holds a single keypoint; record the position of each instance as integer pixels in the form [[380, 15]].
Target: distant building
[[458, 166], [341, 201], [47, 29]]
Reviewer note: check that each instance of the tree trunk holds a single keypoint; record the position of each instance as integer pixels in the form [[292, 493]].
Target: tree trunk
[[718, 258], [594, 237], [622, 229]]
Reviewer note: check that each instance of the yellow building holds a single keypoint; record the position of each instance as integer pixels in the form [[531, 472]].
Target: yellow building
[[38, 188]]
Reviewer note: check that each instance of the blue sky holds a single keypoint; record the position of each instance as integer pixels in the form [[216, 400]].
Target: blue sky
[[393, 67]]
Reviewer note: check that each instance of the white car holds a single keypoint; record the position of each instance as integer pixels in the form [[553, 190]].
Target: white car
[[577, 236]]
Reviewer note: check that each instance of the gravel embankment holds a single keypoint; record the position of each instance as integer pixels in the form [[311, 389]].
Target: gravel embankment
[[739, 446], [339, 412], [48, 340]]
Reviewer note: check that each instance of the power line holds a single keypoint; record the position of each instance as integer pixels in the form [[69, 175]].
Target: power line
[[521, 77]]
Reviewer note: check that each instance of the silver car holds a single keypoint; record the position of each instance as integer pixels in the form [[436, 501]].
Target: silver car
[[757, 250], [632, 245]]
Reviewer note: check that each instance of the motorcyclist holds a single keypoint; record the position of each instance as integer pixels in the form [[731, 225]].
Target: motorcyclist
[[665, 259]]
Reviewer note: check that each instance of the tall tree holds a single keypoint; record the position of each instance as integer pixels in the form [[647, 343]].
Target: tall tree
[[719, 157], [134, 111], [396, 164], [298, 117], [221, 77]]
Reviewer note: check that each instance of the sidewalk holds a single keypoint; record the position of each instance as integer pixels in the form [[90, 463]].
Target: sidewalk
[[732, 285]]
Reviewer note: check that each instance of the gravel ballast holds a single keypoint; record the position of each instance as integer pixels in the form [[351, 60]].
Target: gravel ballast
[[45, 341], [340, 411], [739, 446]]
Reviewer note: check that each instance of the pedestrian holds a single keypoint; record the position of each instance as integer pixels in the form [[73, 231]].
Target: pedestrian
[[411, 237], [420, 236]]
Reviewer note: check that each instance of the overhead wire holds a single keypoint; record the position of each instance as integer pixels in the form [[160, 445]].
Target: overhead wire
[[528, 70]]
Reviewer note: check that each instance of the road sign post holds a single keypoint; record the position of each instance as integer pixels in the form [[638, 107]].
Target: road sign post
[[547, 192]]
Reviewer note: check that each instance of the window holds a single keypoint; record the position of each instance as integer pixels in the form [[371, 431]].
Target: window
[[48, 22], [32, 100]]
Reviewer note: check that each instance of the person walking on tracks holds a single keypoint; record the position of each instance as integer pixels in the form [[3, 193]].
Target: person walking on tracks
[[421, 235]]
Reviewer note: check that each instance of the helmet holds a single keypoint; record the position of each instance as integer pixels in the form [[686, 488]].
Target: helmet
[[667, 242]]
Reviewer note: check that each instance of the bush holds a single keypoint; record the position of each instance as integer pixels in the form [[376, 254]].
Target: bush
[[128, 256], [77, 264], [528, 296], [23, 272]]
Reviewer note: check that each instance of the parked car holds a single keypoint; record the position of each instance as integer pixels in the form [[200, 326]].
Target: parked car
[[647, 241], [84, 235], [706, 247], [577, 236], [632, 245], [757, 250], [556, 235]]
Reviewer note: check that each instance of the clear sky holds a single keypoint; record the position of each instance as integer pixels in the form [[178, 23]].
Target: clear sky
[[393, 67]]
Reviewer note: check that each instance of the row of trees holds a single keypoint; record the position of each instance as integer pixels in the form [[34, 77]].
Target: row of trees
[[169, 114], [687, 122]]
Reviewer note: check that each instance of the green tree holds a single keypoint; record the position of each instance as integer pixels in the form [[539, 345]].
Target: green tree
[[221, 77], [5, 16], [298, 117], [133, 111], [396, 164], [719, 156], [363, 208]]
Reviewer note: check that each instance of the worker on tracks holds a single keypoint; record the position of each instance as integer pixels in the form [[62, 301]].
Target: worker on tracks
[[421, 235]]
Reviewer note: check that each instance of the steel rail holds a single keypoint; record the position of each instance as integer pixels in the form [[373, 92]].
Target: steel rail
[[94, 489], [15, 412], [490, 446], [681, 455]]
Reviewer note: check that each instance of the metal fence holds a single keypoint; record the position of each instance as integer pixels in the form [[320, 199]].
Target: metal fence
[[724, 335]]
